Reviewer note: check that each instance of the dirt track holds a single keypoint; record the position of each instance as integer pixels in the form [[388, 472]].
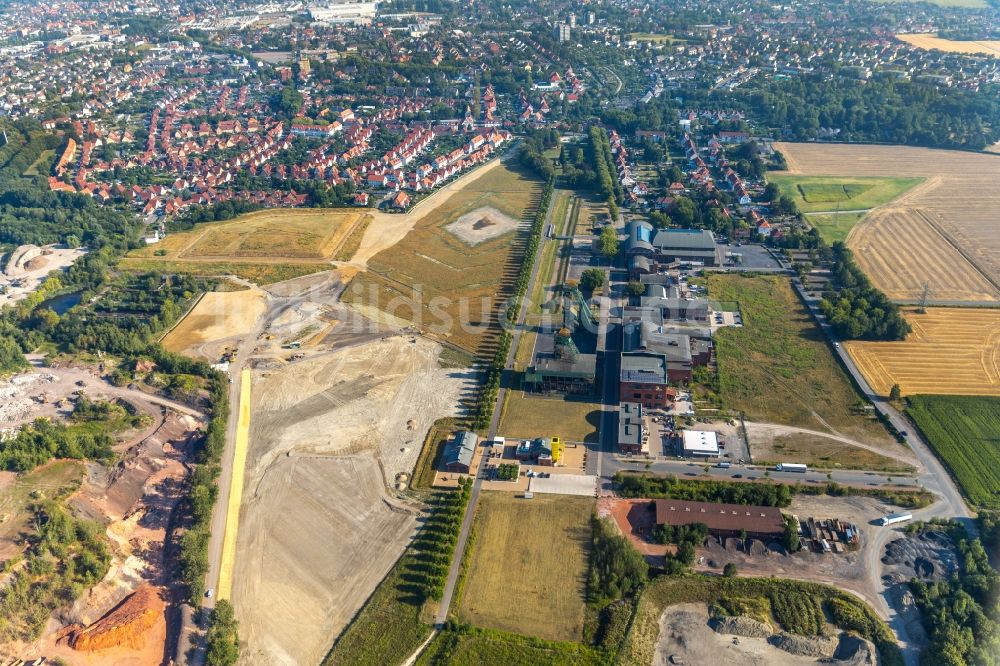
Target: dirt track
[[387, 229]]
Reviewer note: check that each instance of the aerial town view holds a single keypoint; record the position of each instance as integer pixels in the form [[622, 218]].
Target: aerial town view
[[499, 333]]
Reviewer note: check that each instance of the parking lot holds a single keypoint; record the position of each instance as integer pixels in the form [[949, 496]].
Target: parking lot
[[751, 257]]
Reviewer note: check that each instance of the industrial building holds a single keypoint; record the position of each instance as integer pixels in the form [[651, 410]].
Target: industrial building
[[458, 452], [644, 379], [631, 430], [649, 250], [723, 520], [538, 450], [558, 365], [341, 13]]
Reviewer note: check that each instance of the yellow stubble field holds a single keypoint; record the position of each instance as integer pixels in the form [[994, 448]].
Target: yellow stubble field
[[951, 351], [942, 233]]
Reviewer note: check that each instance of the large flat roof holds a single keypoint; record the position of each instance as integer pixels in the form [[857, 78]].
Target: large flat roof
[[723, 517], [704, 442]]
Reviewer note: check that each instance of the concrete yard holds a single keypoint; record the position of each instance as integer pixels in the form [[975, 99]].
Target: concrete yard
[[584, 485]]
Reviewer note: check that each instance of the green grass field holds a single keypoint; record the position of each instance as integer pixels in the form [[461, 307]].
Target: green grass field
[[965, 434], [528, 416], [389, 627], [826, 193], [655, 38], [261, 274], [295, 234], [778, 368], [834, 227], [499, 648], [55, 479], [528, 567], [36, 167]]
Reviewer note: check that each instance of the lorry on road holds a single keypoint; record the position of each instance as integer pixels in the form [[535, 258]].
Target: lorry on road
[[791, 467], [894, 518]]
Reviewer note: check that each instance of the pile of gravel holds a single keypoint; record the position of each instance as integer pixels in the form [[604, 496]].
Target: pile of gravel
[[742, 626], [806, 646], [853, 651]]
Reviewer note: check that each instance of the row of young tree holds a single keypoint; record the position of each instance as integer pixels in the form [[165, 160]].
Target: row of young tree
[[855, 308]]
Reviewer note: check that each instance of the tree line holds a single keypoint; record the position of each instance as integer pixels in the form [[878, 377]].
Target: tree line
[[855, 308], [881, 109], [961, 614]]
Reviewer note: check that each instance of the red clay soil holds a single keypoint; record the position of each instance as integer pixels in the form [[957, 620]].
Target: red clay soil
[[126, 625], [636, 519]]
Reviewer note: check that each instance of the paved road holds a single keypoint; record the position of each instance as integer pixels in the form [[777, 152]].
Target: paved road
[[935, 478], [463, 535]]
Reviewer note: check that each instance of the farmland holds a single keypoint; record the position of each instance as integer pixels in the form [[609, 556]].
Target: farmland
[[528, 566], [437, 280], [929, 42], [778, 369], [939, 233], [824, 193], [965, 434], [951, 351]]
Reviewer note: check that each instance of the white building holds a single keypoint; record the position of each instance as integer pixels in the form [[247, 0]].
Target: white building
[[704, 443], [349, 12]]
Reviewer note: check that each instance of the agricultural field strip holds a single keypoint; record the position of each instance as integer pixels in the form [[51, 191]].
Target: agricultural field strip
[[962, 432], [955, 199], [953, 351]]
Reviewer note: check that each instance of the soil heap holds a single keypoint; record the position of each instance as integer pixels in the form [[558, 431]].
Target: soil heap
[[126, 625]]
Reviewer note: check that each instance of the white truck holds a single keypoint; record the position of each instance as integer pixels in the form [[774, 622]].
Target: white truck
[[791, 467], [894, 518]]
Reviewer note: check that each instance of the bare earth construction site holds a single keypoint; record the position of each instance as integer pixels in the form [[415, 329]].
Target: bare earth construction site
[[340, 408]]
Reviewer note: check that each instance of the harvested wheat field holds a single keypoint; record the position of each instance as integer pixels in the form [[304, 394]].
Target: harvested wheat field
[[931, 42], [217, 316], [951, 351], [943, 232]]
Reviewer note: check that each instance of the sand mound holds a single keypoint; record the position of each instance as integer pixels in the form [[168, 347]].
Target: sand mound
[[124, 626], [481, 225]]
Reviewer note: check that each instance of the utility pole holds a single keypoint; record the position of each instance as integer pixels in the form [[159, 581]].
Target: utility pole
[[922, 308]]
